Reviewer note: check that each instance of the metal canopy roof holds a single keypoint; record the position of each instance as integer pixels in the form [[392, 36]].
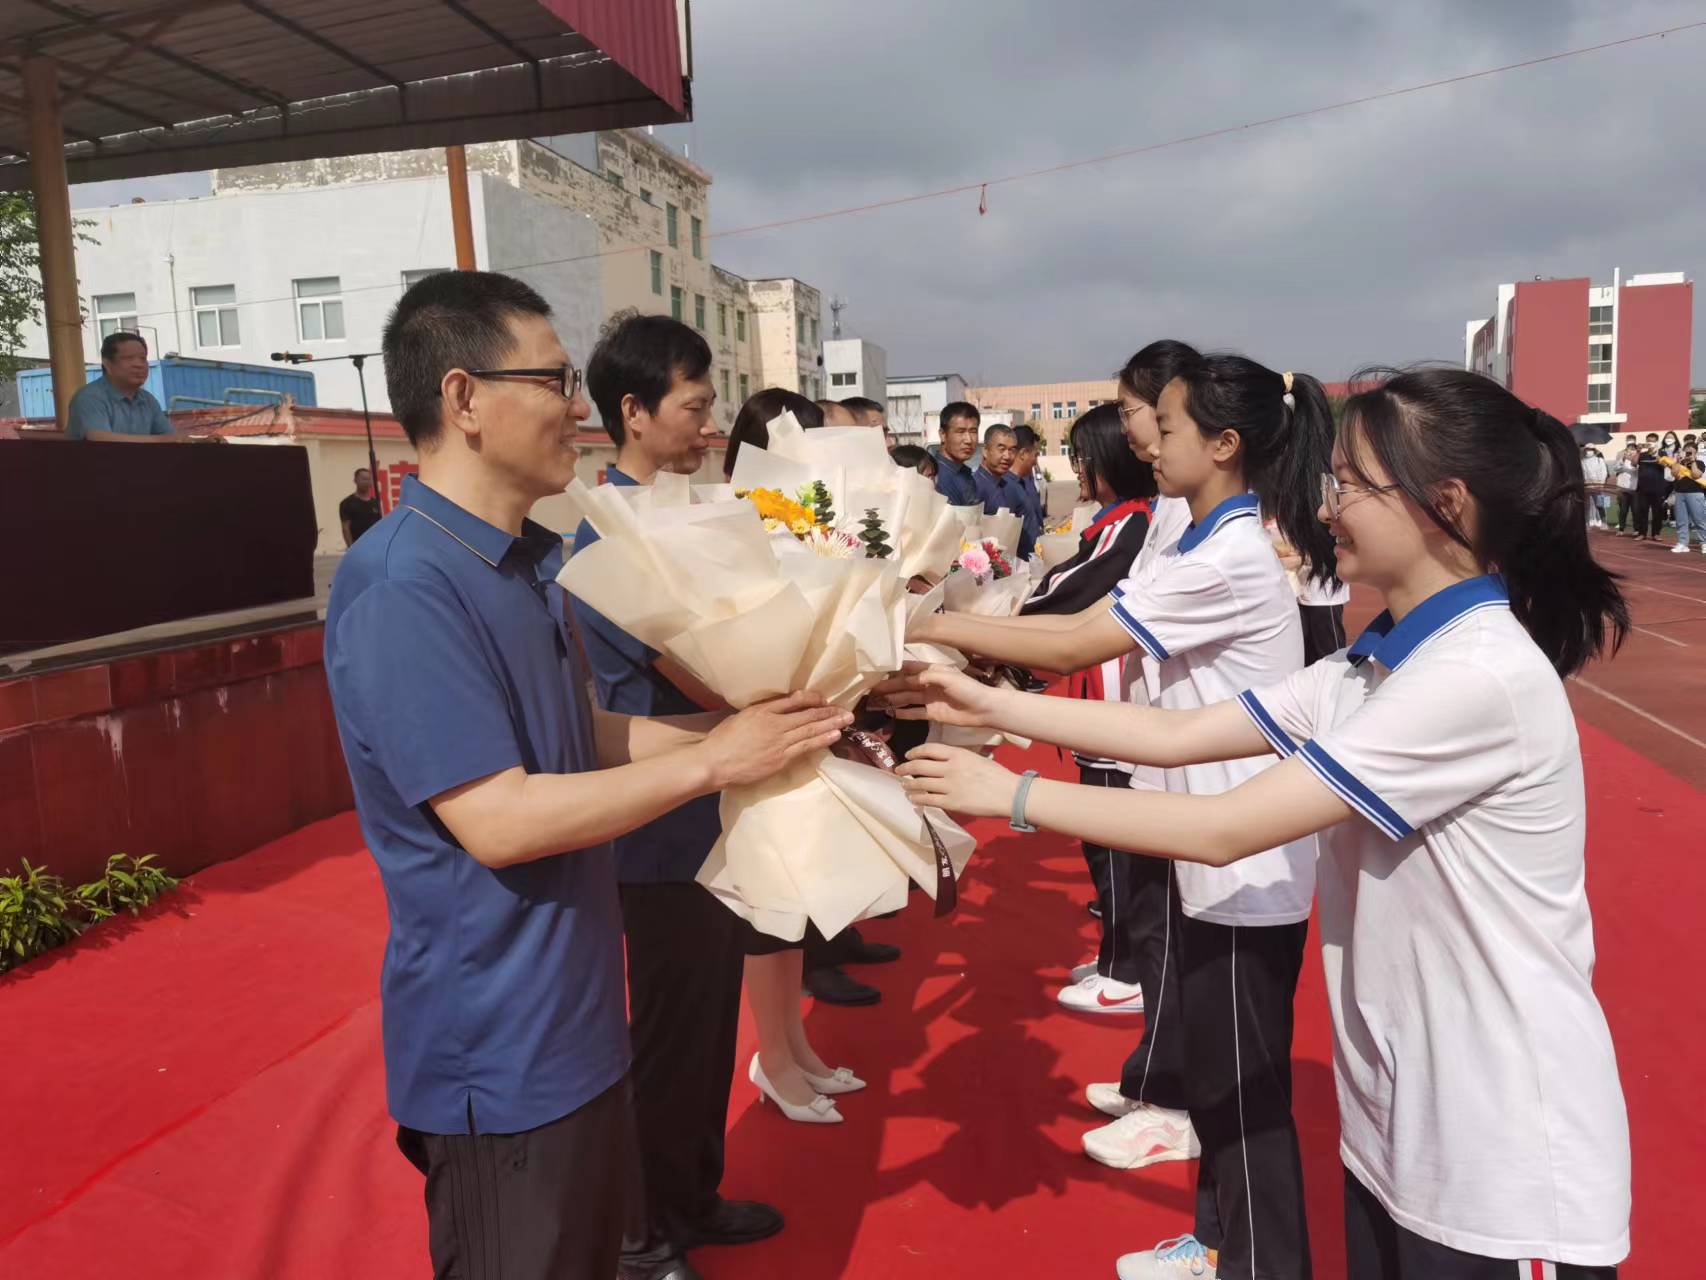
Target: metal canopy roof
[[148, 87]]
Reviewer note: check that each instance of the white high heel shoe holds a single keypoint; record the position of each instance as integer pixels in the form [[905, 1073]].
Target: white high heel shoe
[[841, 1080], [820, 1110]]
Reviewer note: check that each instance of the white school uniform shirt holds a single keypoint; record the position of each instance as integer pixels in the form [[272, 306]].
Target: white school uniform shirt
[[1139, 679], [1478, 1089], [1218, 616]]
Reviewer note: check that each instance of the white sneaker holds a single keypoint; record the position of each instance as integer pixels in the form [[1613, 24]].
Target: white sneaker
[[1097, 994], [1082, 971], [1679, 550], [1153, 1135], [1108, 1099], [1175, 1259]]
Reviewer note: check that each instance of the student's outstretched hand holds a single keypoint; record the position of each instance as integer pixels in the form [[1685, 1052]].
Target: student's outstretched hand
[[958, 780], [753, 744], [942, 694]]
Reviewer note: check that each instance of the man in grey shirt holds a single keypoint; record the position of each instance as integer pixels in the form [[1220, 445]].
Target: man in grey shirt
[[115, 406]]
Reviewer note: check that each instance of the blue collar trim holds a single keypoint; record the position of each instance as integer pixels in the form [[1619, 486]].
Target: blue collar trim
[[1392, 644], [1237, 507], [487, 541]]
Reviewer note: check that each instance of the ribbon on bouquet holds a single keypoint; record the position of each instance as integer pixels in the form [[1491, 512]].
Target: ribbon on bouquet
[[868, 748]]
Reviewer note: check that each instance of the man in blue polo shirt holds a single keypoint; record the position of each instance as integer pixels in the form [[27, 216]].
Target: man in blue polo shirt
[[489, 789], [116, 407], [650, 376], [1027, 451], [997, 488], [958, 426]]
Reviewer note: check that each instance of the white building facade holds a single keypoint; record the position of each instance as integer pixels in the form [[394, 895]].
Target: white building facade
[[915, 405], [854, 367], [241, 275]]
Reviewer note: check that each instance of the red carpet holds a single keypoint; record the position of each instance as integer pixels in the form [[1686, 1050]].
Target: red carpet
[[200, 1094]]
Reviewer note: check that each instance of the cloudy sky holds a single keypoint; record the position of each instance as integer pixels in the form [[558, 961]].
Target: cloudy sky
[[1369, 234]]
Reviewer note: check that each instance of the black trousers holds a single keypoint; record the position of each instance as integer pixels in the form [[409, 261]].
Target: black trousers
[[1323, 630], [546, 1204], [1649, 513], [1154, 1072], [1124, 924], [1377, 1248], [1237, 985], [685, 961]]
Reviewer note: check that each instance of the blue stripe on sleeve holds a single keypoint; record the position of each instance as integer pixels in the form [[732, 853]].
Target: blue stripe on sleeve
[[1353, 792], [1278, 738], [1140, 633]]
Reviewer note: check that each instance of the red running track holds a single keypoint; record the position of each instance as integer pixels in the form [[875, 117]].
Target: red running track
[[200, 1094]]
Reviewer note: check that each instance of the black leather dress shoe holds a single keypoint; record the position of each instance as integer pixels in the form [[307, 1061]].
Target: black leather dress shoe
[[733, 1222], [851, 947], [834, 987], [865, 951]]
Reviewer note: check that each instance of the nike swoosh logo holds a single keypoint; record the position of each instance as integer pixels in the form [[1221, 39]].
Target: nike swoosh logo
[[1102, 999]]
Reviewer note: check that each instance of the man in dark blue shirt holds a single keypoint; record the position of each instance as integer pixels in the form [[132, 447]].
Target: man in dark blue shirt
[[1027, 451], [489, 789], [997, 487], [958, 426], [651, 379]]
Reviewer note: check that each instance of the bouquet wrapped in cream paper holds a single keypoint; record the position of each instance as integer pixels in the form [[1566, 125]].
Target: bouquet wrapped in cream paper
[[767, 594]]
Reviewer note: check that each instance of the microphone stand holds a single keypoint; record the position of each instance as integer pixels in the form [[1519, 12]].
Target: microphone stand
[[359, 360]]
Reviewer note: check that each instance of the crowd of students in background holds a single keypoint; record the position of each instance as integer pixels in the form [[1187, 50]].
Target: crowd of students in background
[[1658, 480]]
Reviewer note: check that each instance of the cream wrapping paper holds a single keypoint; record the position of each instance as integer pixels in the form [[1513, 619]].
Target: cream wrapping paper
[[1005, 527], [1057, 548], [753, 614]]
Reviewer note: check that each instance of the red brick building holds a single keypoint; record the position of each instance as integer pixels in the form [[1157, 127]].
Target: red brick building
[[1613, 354]]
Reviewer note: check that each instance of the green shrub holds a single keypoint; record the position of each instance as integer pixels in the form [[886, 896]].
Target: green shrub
[[38, 913]]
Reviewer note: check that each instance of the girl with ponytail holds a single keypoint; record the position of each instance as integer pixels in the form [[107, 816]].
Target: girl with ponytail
[[1212, 615], [1436, 762]]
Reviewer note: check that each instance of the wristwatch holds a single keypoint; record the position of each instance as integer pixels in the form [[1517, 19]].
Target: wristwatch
[[1017, 819]]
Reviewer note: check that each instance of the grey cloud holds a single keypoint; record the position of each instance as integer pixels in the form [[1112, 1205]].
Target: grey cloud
[[1368, 234]]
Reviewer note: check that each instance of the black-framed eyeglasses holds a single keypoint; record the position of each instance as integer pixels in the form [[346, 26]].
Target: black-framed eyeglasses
[[567, 377], [1335, 496]]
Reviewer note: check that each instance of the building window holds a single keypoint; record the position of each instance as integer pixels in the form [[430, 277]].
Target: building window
[[698, 229], [215, 309], [319, 309], [1599, 322], [412, 278], [645, 195], [672, 218], [699, 312], [814, 331], [1056, 409], [843, 379], [740, 325], [1036, 413], [115, 311], [1599, 357], [1072, 408], [745, 384], [1599, 397], [725, 380], [722, 319], [657, 273], [676, 298], [615, 179]]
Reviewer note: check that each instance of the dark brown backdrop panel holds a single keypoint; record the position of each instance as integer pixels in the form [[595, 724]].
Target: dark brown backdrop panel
[[99, 538]]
